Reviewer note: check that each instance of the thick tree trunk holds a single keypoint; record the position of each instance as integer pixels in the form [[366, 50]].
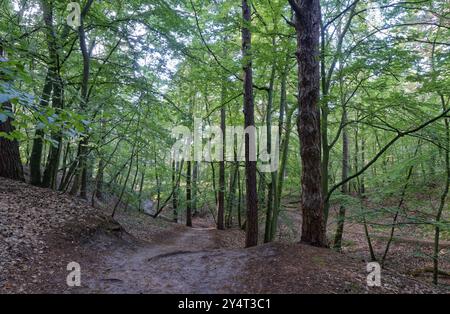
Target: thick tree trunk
[[10, 164], [307, 25], [250, 145]]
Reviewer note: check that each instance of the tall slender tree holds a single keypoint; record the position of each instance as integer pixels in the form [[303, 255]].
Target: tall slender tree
[[250, 145]]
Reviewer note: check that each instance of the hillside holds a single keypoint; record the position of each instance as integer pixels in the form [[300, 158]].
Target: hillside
[[42, 231]]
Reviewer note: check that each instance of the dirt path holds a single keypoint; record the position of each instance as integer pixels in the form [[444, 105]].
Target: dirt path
[[189, 261]]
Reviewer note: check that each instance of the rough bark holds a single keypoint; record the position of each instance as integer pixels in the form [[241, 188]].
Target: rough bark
[[250, 166], [307, 24], [10, 163]]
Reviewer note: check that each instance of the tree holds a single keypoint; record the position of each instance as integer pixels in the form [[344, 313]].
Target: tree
[[307, 25], [10, 163], [188, 194], [221, 198], [250, 145]]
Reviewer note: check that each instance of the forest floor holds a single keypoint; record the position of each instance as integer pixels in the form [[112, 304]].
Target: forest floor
[[42, 231]]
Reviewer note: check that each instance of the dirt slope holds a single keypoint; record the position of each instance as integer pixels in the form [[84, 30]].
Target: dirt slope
[[42, 231]]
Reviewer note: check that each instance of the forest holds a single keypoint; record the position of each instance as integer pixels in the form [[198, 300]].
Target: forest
[[235, 146]]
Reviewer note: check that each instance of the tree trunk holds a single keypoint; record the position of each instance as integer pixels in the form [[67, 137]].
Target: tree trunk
[[36, 151], [10, 164], [273, 176], [51, 170], [99, 179], [437, 227], [239, 198], [124, 184], [175, 192], [231, 198], [81, 176], [49, 179], [307, 24], [64, 165], [250, 145], [141, 187], [194, 188], [284, 148], [188, 195], [221, 205], [344, 189]]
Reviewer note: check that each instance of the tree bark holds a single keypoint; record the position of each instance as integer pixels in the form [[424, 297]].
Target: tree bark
[[51, 170], [281, 172], [250, 145], [81, 176], [125, 183], [307, 24], [437, 227], [10, 164], [188, 195], [344, 189], [273, 176], [194, 188], [175, 192], [36, 151], [221, 205]]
